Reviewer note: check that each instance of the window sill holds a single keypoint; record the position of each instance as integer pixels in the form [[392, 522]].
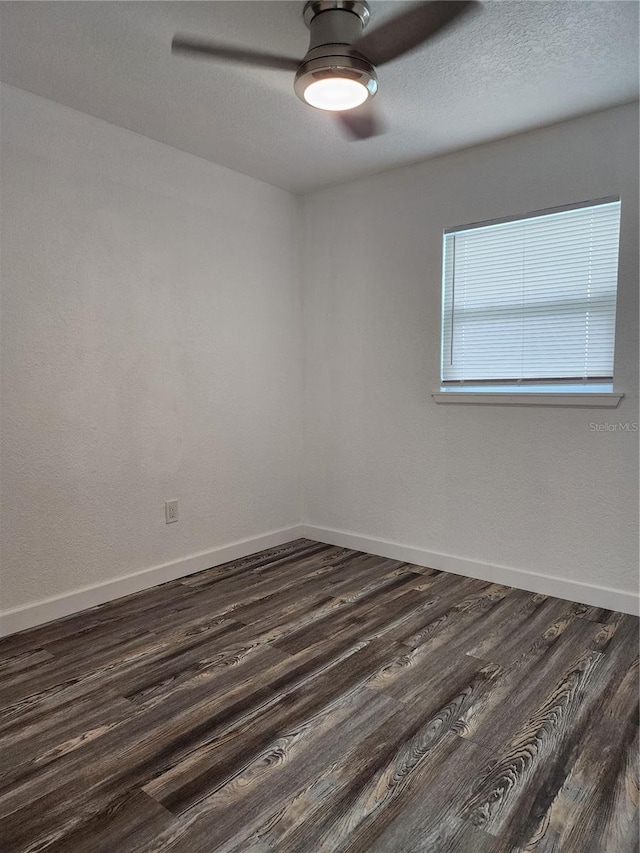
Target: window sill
[[592, 400]]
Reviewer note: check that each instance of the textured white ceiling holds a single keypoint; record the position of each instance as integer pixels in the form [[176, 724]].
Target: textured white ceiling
[[511, 67]]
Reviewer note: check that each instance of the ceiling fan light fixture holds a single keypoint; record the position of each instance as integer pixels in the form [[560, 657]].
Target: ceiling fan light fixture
[[338, 72], [335, 83], [336, 94]]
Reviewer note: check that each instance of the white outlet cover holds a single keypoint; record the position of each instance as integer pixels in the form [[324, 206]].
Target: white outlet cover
[[170, 511]]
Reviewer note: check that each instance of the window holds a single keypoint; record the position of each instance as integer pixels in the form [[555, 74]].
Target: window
[[529, 304]]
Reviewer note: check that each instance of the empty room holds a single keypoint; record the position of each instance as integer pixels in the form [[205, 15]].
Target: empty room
[[319, 426]]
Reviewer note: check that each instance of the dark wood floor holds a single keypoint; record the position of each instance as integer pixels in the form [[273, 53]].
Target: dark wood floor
[[312, 698]]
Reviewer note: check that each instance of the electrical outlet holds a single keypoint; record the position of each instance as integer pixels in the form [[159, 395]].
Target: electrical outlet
[[170, 511]]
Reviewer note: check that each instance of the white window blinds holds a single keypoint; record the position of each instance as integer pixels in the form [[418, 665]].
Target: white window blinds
[[532, 298]]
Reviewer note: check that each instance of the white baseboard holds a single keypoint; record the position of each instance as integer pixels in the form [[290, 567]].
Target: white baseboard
[[595, 596], [49, 609]]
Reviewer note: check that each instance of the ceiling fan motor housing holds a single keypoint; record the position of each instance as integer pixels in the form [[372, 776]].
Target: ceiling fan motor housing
[[335, 25]]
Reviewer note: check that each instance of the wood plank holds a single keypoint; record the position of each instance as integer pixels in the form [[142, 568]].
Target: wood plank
[[289, 556], [428, 820], [28, 660], [124, 825], [361, 794], [294, 759], [188, 780], [395, 597], [108, 664], [150, 603], [525, 768], [148, 742], [590, 804], [27, 750], [130, 821]]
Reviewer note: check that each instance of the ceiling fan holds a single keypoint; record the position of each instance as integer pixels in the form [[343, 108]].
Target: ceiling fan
[[338, 72]]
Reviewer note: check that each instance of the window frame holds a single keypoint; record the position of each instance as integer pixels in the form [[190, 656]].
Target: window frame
[[593, 393]]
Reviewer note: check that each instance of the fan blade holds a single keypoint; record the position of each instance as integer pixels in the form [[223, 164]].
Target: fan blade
[[410, 29], [202, 47], [360, 123]]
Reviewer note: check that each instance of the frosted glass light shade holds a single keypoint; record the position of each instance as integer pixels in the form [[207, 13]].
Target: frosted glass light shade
[[336, 94]]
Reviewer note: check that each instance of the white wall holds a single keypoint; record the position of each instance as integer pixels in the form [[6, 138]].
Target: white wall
[[527, 488], [151, 350]]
